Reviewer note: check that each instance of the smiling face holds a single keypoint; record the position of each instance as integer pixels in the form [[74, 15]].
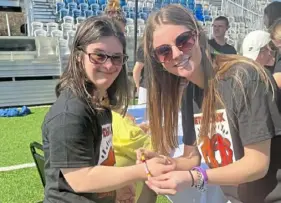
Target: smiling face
[[178, 51], [103, 61]]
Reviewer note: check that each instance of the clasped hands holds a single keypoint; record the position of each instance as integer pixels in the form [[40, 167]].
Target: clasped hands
[[165, 179]]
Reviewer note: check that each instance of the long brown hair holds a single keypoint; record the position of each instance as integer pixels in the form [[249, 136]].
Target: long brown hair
[[164, 88], [74, 76]]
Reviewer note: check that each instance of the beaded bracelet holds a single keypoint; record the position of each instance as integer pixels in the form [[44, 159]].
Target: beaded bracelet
[[143, 160], [200, 182], [202, 179]]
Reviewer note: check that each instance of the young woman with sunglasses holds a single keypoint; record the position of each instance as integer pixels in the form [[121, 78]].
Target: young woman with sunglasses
[[77, 132], [229, 114]]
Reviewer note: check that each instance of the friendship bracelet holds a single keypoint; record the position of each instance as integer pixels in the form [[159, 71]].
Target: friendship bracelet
[[202, 179], [146, 170], [192, 178], [200, 182], [143, 160], [203, 172]]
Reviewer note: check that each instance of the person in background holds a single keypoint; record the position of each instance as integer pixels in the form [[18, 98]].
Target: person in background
[[114, 11], [275, 34], [139, 76], [256, 47], [77, 130], [229, 111], [271, 13], [219, 44]]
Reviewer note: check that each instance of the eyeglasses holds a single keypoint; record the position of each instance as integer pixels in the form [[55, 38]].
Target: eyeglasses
[[184, 42], [100, 58]]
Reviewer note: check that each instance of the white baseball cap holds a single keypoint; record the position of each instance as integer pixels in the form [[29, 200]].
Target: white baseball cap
[[253, 42]]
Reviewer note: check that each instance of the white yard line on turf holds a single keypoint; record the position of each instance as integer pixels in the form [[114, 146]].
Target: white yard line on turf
[[16, 167]]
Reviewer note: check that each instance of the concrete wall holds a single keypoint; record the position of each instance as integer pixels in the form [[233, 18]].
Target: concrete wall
[[15, 21]]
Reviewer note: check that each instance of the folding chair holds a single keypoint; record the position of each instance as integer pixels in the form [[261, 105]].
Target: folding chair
[[38, 159]]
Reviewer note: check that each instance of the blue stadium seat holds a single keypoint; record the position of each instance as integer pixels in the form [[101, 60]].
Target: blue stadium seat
[[63, 12], [125, 8], [103, 7], [80, 1], [199, 12], [68, 2], [157, 5], [143, 15], [83, 7], [101, 2], [90, 2], [95, 7], [123, 3], [59, 6], [131, 9], [146, 10], [132, 14], [71, 7], [126, 14], [183, 2], [191, 6], [99, 13], [76, 13], [158, 1], [89, 13]]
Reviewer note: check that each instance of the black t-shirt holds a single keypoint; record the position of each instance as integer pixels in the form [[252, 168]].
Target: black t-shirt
[[75, 136], [225, 49], [140, 58], [237, 125]]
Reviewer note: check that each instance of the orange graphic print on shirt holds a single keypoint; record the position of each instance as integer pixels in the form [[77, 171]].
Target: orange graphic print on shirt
[[107, 157], [217, 150]]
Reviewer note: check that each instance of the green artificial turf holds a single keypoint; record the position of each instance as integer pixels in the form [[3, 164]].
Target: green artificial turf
[[21, 186], [17, 133]]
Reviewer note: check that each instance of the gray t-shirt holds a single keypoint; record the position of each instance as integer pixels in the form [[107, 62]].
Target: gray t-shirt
[[237, 125], [75, 137]]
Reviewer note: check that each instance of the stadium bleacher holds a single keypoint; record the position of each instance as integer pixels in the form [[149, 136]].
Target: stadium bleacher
[[70, 13]]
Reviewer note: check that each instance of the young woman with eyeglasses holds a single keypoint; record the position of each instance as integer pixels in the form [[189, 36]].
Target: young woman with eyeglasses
[[77, 131], [229, 114]]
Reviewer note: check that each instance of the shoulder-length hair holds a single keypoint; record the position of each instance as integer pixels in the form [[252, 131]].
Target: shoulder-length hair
[[74, 76]]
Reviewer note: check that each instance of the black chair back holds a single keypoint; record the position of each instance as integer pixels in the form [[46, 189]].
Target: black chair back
[[39, 160]]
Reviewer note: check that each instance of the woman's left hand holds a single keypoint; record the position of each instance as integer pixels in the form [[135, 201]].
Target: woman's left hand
[[126, 194], [170, 183]]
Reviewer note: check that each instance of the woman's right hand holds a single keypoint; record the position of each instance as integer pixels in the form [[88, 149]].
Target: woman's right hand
[[160, 165], [147, 154]]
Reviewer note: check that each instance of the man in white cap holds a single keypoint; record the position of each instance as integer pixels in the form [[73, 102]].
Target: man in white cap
[[256, 46]]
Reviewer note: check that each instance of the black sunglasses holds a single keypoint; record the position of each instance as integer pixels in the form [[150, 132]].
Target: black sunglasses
[[184, 42], [101, 58]]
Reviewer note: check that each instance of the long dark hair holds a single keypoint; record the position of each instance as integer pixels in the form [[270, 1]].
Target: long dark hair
[[272, 11], [74, 76]]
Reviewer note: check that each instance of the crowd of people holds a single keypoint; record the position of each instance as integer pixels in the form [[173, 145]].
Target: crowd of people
[[230, 107]]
